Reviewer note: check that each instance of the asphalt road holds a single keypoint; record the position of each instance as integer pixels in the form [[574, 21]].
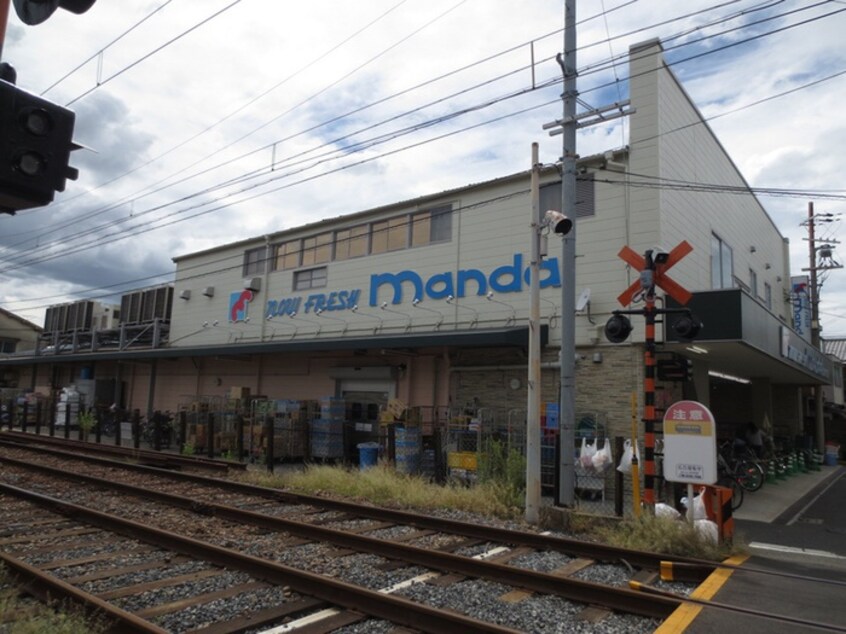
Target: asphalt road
[[806, 542]]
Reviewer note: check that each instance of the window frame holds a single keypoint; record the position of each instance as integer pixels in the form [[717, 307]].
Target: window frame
[[280, 257], [395, 228], [720, 251], [350, 242], [252, 267], [306, 279], [435, 226], [317, 249]]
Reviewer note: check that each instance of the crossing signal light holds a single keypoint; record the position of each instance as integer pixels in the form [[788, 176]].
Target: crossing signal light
[[618, 328], [675, 369], [687, 327], [36, 139], [36, 11]]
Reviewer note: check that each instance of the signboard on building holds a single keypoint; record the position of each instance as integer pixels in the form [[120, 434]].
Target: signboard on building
[[690, 444], [800, 301]]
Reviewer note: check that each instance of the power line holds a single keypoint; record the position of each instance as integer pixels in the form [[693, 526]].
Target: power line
[[153, 52], [106, 47], [378, 102], [36, 261]]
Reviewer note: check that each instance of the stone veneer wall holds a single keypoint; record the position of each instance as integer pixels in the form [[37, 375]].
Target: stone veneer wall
[[603, 387]]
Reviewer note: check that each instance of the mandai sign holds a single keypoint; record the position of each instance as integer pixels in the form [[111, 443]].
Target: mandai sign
[[409, 285]]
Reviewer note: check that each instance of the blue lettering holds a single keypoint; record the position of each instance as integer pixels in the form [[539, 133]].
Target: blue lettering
[[352, 299], [331, 303], [271, 309], [314, 302], [474, 275], [512, 270], [395, 280], [504, 279], [444, 280]]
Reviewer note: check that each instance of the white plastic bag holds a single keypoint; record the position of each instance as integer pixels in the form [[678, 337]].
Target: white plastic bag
[[586, 455], [602, 459], [665, 510], [699, 512], [706, 529], [625, 465]]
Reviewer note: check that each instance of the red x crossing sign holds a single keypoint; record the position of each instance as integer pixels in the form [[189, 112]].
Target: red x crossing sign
[[636, 261]]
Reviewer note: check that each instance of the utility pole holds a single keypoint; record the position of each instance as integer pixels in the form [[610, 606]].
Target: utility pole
[[814, 266], [567, 127], [567, 404], [533, 452]]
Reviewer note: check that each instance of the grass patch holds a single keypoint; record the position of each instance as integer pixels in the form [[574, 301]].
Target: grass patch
[[37, 618], [383, 486], [668, 536]]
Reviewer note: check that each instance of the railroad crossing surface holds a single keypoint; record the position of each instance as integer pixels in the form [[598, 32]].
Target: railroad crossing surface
[[796, 565]]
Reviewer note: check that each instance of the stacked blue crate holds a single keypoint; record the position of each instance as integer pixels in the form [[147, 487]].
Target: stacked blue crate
[[327, 432]]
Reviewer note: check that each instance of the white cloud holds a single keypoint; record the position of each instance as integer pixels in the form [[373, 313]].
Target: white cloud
[[265, 72]]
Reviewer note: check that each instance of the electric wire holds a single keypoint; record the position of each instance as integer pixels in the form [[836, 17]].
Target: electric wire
[[47, 246], [151, 53], [106, 47], [362, 108]]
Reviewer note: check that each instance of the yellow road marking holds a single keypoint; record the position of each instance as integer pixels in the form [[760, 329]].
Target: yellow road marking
[[684, 615]]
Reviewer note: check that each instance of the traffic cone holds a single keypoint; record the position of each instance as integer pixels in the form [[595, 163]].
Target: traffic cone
[[771, 472], [803, 462], [781, 469]]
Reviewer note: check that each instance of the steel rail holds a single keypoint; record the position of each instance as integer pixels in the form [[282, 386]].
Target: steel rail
[[611, 597], [385, 606], [197, 462], [739, 609], [49, 588], [565, 545]]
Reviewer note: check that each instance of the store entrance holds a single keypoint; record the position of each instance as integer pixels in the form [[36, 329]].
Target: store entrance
[[364, 400]]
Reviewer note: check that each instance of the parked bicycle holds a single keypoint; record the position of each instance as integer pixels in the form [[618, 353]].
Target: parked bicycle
[[738, 473]]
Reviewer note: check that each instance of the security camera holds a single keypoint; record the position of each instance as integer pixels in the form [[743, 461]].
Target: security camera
[[560, 223]]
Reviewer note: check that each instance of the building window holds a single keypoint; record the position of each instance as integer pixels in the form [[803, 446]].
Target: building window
[[753, 283], [432, 225], [286, 256], [721, 263], [390, 235], [7, 346], [351, 243], [312, 278], [317, 249], [254, 260], [768, 295]]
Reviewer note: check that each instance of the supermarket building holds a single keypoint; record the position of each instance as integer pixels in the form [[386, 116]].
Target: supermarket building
[[426, 301]]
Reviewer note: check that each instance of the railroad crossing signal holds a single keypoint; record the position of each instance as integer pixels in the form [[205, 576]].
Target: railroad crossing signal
[[653, 267], [36, 11], [35, 149], [660, 263]]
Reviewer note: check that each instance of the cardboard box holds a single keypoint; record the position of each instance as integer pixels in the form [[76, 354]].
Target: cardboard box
[[239, 393]]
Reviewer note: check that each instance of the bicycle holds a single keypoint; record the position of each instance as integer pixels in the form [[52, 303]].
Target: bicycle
[[748, 472]]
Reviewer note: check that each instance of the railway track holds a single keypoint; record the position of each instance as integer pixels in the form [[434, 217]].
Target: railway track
[[387, 551]]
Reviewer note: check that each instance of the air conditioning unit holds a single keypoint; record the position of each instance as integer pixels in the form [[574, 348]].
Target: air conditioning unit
[[253, 284]]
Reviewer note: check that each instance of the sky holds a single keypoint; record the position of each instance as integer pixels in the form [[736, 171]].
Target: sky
[[204, 123]]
